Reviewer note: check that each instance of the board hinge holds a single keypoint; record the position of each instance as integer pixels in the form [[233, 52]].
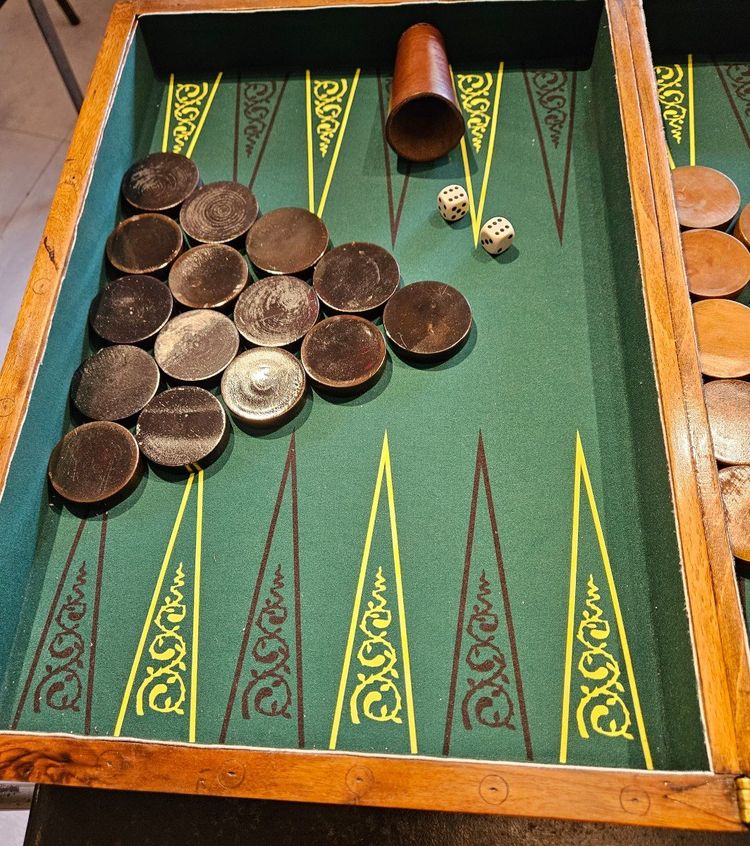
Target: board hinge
[[743, 798]]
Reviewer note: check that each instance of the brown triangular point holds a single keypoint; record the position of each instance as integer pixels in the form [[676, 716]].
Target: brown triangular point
[[481, 471], [255, 108], [273, 613], [395, 206], [735, 80], [552, 102], [65, 661]]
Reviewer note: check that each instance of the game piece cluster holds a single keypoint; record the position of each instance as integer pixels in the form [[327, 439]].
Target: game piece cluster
[[495, 236], [717, 266], [194, 308]]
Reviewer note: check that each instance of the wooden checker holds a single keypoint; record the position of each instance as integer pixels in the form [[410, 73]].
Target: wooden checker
[[728, 406], [716, 264], [735, 490], [722, 329]]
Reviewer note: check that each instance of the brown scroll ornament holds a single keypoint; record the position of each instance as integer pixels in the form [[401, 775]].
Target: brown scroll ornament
[[424, 119]]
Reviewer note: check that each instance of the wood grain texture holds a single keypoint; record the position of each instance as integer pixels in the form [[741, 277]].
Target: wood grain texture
[[37, 307], [680, 800], [718, 629], [705, 800]]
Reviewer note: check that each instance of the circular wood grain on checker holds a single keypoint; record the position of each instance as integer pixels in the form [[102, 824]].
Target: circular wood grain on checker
[[716, 264], [144, 243], [728, 407], [94, 462], [722, 330], [705, 198], [181, 426], [160, 182], [208, 276], [131, 309], [735, 491]]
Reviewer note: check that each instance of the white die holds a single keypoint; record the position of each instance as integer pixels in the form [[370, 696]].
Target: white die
[[453, 203], [497, 235]]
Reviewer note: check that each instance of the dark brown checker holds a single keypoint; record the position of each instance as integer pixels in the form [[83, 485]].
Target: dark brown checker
[[181, 426], [115, 383], [144, 243], [276, 311], [287, 241], [741, 229], [735, 491], [196, 345], [160, 182], [264, 386], [356, 278], [722, 329], [343, 354], [705, 198], [131, 309], [716, 264], [94, 462], [427, 320], [208, 276], [728, 406], [219, 213]]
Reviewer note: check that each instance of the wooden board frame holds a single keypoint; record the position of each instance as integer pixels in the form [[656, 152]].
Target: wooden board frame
[[682, 800]]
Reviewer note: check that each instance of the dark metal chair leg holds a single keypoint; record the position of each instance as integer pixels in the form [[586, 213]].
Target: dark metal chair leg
[[70, 12], [55, 47]]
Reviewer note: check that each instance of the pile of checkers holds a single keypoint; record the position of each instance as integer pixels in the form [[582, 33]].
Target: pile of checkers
[[184, 316], [717, 266]]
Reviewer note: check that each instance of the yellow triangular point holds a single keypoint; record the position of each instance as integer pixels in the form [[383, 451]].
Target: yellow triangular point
[[320, 96], [185, 102], [152, 607], [384, 472], [581, 474], [476, 210]]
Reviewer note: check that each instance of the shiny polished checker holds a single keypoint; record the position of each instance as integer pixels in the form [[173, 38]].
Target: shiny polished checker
[[728, 407], [181, 426], [722, 330], [208, 276], [716, 264], [287, 241], [276, 311], [219, 212], [344, 354], [94, 462], [196, 345], [705, 198], [735, 491], [115, 383], [356, 278], [144, 243], [131, 309], [160, 182], [264, 386], [429, 320]]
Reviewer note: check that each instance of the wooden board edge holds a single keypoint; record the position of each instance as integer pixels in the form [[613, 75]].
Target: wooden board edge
[[713, 578], [29, 338], [678, 800], [668, 342]]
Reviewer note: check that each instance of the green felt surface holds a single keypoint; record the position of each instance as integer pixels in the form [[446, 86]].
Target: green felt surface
[[483, 525]]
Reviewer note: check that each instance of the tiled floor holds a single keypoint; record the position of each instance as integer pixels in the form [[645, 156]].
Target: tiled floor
[[36, 121]]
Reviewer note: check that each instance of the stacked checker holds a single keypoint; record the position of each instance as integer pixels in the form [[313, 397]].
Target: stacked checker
[[182, 303], [717, 265]]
